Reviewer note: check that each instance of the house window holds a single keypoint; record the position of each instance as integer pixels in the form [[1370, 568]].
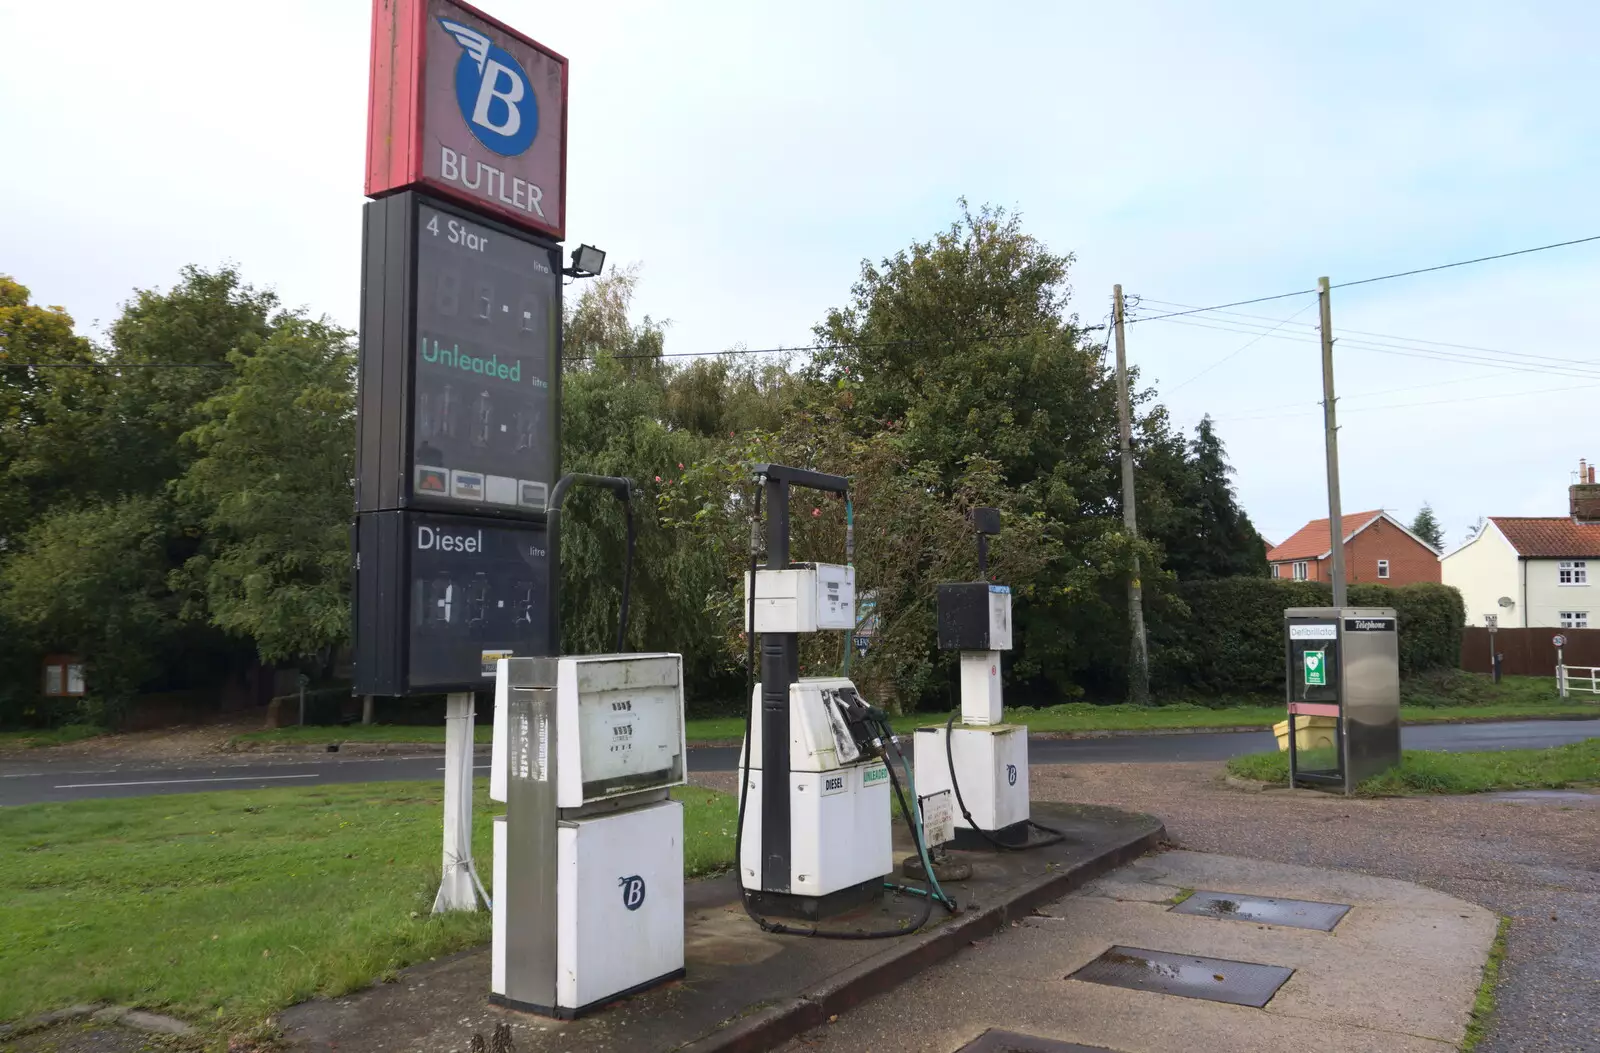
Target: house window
[[1383, 568], [1274, 570], [1300, 571], [1574, 619], [1573, 572]]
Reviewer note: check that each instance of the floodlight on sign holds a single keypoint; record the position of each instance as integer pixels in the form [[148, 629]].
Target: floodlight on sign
[[587, 262]]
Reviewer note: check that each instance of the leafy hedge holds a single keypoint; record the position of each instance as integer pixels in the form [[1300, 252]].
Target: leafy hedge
[[1231, 640]]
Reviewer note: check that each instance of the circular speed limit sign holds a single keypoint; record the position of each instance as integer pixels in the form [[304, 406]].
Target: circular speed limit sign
[[1559, 641]]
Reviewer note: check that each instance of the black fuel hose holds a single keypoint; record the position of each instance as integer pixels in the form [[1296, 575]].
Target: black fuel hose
[[1053, 837]]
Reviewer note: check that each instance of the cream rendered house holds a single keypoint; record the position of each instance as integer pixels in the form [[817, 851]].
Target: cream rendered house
[[1534, 572]]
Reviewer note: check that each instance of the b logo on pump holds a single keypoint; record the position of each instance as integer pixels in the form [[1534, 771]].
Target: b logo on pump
[[632, 891], [1011, 774], [493, 93]]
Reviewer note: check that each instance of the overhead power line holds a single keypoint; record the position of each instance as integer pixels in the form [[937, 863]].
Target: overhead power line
[[1411, 405], [1017, 334], [1242, 348], [1378, 278], [1403, 340], [1525, 364], [117, 365], [1465, 263]]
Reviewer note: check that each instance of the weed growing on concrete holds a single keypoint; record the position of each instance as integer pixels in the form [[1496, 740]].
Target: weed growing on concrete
[[1483, 1005]]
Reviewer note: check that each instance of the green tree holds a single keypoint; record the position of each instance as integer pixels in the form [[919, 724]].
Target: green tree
[[115, 429], [615, 421], [271, 491], [962, 345], [1213, 538], [1426, 526], [92, 580], [89, 534], [29, 334]]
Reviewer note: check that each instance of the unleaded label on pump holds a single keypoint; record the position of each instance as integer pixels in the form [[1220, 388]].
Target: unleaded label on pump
[[1327, 631], [874, 774]]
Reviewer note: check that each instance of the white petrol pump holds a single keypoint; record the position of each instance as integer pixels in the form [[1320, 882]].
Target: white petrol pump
[[814, 836], [982, 759], [588, 859]]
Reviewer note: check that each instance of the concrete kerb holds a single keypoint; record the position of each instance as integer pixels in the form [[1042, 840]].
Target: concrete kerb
[[126, 1016], [883, 972]]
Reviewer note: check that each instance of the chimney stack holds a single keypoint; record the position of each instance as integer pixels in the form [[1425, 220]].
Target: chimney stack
[[1584, 495]]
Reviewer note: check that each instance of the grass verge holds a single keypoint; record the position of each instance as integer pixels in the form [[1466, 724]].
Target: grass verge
[[24, 740], [1483, 1005], [1423, 771], [1437, 698], [314, 735], [225, 907]]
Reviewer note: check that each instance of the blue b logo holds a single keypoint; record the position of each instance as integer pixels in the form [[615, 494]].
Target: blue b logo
[[493, 92], [1011, 774], [632, 891]]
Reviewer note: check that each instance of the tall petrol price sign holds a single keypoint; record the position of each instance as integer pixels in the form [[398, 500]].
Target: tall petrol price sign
[[458, 415]]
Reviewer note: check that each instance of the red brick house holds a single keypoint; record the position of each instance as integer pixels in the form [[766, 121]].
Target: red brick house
[[1377, 548]]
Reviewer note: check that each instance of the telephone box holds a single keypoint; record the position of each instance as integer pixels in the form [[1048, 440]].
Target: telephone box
[[1343, 663]]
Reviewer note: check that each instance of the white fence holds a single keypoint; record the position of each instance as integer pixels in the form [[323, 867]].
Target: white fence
[[1584, 678]]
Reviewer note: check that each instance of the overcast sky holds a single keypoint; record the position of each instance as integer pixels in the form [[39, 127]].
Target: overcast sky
[[749, 155]]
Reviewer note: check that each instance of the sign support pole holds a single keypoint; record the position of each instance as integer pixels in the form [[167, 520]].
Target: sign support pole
[[456, 889]]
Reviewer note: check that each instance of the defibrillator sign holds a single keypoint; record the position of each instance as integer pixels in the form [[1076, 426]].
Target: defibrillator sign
[[1316, 666]]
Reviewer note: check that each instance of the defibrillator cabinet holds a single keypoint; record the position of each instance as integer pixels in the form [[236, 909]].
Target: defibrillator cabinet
[[1343, 663]]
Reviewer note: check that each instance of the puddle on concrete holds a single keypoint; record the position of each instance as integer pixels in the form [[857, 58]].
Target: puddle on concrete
[[1191, 976]]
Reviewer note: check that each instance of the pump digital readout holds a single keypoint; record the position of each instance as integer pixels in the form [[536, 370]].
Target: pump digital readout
[[486, 334], [478, 593]]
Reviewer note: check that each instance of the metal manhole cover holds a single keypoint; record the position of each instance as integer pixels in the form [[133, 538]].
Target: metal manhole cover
[[1300, 913], [1214, 979], [1010, 1042]]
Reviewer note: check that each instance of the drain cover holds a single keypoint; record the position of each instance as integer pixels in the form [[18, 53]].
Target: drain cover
[[1300, 913], [1216, 979], [1011, 1042]]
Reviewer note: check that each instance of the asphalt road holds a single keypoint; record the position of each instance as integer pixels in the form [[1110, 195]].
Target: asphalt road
[[1159, 749], [70, 780]]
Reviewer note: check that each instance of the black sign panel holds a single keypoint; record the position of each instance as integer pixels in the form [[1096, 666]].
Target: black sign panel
[[460, 363], [488, 315], [1369, 625], [441, 597]]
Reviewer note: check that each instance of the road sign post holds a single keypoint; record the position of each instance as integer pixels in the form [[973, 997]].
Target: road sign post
[[1560, 642]]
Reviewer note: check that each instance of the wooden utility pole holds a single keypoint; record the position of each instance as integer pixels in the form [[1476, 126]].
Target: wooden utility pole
[[1335, 518], [1139, 665]]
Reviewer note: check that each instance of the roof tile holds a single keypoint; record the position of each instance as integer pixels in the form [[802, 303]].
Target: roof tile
[[1311, 540], [1550, 537]]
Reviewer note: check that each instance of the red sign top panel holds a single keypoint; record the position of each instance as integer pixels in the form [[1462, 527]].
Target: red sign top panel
[[470, 109]]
